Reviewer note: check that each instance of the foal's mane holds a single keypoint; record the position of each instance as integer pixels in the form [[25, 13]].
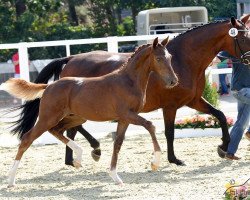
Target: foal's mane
[[138, 49]]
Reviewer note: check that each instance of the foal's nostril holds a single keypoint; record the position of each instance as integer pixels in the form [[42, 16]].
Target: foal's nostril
[[173, 82]]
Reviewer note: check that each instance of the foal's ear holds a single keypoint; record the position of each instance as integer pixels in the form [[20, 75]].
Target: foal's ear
[[165, 41], [155, 42], [245, 18]]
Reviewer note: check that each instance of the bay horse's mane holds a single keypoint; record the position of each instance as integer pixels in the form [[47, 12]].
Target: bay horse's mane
[[199, 27]]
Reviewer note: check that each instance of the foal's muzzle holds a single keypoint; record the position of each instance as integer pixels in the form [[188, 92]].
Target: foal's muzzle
[[171, 81]]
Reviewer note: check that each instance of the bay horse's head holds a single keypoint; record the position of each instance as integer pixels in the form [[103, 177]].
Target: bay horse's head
[[161, 62], [240, 35]]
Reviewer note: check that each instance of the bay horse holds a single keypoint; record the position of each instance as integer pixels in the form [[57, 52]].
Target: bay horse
[[119, 95], [192, 51]]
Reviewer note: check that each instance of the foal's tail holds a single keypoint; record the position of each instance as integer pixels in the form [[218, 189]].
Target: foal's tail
[[30, 109], [22, 89]]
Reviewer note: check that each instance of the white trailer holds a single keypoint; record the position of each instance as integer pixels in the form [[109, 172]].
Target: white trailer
[[170, 19]]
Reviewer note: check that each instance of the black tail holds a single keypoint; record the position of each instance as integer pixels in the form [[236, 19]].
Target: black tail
[[30, 109]]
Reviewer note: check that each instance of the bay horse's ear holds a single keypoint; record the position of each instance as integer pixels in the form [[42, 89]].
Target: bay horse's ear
[[155, 42], [233, 21], [165, 41], [245, 18]]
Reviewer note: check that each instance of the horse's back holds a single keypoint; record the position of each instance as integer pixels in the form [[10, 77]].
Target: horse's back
[[94, 64]]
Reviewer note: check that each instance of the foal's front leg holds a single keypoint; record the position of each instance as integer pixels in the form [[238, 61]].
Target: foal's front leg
[[121, 129], [136, 119]]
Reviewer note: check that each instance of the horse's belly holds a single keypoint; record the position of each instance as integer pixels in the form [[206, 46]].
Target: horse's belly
[[95, 113]]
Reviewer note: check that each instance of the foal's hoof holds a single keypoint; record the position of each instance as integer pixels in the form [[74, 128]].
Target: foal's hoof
[[221, 152], [96, 154], [154, 167], [177, 162], [76, 164]]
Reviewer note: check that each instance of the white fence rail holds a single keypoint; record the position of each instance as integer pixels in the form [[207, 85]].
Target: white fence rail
[[112, 46]]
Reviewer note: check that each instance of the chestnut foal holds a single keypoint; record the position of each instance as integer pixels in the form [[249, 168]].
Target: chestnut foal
[[72, 101]]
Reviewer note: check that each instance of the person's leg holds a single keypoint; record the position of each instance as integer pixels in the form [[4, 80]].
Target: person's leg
[[244, 96], [247, 134], [238, 129], [224, 88]]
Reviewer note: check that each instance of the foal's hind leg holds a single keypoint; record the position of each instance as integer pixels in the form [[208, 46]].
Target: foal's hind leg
[[96, 153], [71, 133], [26, 141], [66, 123]]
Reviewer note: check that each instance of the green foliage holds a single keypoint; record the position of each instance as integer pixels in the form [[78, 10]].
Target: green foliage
[[210, 93], [126, 27], [47, 20]]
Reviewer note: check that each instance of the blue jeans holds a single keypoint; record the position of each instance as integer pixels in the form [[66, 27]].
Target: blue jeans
[[243, 101], [223, 84]]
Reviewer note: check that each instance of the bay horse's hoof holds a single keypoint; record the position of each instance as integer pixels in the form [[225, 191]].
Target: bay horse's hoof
[[10, 186], [178, 162], [221, 152], [96, 154], [70, 163], [154, 167], [76, 164]]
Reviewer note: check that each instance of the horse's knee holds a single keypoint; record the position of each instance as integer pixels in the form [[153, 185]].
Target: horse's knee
[[150, 127]]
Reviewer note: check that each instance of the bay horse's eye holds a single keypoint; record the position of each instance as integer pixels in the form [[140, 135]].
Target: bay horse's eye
[[158, 59]]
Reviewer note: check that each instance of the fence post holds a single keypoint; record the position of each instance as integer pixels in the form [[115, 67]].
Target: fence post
[[112, 44], [24, 61], [67, 50]]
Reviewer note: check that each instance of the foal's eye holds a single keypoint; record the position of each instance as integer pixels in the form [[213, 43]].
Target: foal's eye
[[158, 59]]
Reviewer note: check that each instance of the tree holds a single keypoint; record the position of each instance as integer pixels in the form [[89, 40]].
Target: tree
[[20, 7]]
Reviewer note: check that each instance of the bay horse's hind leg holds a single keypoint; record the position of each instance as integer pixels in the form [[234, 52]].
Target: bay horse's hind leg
[[203, 106], [71, 133]]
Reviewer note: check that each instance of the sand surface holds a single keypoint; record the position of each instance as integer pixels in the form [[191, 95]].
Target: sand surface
[[43, 175]]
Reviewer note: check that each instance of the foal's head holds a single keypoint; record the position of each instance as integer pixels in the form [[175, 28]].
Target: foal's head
[[161, 62]]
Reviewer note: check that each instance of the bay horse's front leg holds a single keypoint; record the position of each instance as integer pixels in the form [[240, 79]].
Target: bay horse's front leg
[[71, 133], [169, 119], [203, 106], [120, 133]]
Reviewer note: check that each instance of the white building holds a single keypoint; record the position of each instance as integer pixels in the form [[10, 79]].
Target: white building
[[243, 7]]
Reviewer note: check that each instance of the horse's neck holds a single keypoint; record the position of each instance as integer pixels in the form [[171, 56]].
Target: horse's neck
[[138, 70], [197, 48]]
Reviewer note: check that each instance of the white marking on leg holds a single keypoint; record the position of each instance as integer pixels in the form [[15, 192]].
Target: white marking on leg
[[113, 174], [12, 173], [156, 160], [78, 151]]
